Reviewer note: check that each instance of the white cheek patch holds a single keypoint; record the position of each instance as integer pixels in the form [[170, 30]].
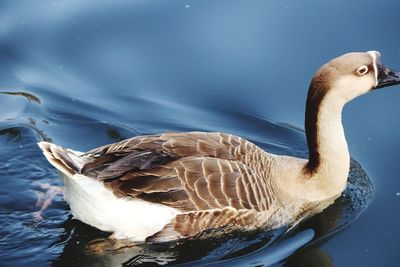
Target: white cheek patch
[[375, 55]]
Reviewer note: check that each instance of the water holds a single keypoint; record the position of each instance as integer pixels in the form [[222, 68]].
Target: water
[[86, 73]]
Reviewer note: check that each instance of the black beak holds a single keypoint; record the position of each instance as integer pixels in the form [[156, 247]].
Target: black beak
[[387, 77]]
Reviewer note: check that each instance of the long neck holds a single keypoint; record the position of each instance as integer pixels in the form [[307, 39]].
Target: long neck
[[329, 159]]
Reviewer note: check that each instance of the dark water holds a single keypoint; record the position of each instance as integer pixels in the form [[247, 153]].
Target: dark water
[[86, 73]]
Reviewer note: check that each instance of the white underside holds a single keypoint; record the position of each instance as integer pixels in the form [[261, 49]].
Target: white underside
[[92, 203]]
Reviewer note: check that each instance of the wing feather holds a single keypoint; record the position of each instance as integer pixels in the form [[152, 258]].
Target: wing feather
[[189, 171], [194, 223]]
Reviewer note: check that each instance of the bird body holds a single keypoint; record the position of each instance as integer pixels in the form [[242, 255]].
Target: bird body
[[176, 185], [228, 181]]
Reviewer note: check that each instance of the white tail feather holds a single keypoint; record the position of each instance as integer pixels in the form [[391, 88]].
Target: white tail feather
[[67, 161]]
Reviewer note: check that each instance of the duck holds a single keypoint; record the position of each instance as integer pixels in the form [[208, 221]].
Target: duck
[[177, 185]]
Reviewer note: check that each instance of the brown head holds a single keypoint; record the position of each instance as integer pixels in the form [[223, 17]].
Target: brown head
[[341, 80]]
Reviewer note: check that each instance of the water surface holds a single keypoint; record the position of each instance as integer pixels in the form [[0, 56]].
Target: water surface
[[83, 74]]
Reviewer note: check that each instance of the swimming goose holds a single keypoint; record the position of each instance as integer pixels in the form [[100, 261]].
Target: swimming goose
[[175, 185]]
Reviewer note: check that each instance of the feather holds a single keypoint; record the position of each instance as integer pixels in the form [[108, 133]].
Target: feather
[[206, 176]]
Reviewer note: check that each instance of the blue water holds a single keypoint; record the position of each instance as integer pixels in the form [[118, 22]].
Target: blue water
[[86, 73]]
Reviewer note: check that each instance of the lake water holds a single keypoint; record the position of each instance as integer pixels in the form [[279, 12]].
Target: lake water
[[87, 73]]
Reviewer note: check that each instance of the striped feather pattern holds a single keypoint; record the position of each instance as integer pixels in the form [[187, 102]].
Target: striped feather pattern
[[216, 179]]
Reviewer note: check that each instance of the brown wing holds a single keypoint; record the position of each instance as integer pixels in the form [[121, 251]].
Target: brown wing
[[197, 183], [218, 145], [147, 152], [188, 171]]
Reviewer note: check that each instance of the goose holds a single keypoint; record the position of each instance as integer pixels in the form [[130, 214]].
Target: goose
[[177, 185]]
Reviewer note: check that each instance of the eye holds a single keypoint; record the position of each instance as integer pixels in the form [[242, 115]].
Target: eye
[[362, 70]]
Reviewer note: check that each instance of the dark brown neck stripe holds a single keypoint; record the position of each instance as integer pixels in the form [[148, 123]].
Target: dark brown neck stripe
[[316, 93]]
